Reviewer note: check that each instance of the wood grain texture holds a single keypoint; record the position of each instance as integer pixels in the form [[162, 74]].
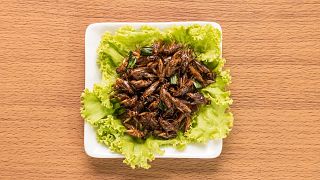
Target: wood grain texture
[[273, 51]]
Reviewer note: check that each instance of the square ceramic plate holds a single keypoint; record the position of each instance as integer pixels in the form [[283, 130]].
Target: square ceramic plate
[[93, 36]]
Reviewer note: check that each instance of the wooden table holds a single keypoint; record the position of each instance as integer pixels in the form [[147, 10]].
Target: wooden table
[[273, 51]]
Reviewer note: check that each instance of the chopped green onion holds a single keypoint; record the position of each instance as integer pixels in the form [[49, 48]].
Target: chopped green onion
[[132, 63], [162, 106], [119, 111], [197, 84], [146, 51], [132, 60], [174, 79], [114, 100]]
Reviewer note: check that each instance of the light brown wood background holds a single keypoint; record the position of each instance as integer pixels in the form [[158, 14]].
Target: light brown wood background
[[273, 51]]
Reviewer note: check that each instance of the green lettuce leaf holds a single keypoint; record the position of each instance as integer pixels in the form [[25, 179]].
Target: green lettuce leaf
[[204, 38], [213, 121], [139, 153], [132, 38], [110, 132], [178, 34], [92, 110]]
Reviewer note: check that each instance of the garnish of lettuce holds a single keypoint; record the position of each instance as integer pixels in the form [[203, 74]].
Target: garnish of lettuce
[[212, 121]]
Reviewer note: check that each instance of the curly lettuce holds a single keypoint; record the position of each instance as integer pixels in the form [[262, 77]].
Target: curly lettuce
[[210, 122], [214, 120]]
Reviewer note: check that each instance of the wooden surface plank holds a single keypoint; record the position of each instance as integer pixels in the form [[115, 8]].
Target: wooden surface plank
[[272, 48]]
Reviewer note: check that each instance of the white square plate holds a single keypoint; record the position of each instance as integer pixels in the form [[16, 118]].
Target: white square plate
[[93, 36]]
